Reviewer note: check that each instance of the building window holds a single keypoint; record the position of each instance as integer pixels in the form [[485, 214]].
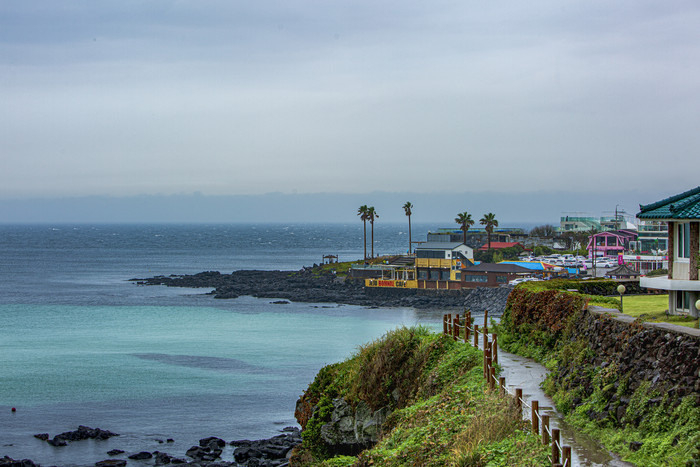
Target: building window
[[422, 275], [434, 254], [445, 275], [682, 301], [458, 276], [501, 279], [684, 240], [476, 278]]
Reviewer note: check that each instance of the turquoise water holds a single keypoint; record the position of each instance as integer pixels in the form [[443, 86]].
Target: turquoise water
[[79, 344], [180, 372], [79, 354]]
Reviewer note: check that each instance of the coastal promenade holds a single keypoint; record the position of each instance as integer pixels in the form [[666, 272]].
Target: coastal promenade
[[522, 377]]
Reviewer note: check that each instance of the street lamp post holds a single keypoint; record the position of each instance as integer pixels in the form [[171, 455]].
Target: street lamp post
[[621, 290]]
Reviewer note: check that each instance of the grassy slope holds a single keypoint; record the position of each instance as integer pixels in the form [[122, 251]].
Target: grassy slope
[[443, 413]]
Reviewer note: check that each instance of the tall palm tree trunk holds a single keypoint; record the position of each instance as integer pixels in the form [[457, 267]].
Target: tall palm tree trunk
[[410, 243], [365, 237], [372, 224]]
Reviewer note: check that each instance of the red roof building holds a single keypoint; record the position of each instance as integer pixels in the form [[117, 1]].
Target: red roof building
[[501, 245]]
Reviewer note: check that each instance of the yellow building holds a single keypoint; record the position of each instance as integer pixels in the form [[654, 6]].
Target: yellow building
[[439, 264]]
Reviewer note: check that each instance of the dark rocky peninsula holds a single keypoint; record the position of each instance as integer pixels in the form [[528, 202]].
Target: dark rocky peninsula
[[307, 285]]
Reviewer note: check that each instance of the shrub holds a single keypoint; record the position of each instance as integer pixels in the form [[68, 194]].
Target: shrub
[[441, 409]]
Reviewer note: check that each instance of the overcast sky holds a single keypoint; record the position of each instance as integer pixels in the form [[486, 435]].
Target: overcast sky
[[128, 97]]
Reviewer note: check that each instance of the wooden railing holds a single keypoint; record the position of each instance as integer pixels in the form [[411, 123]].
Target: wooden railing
[[466, 329]]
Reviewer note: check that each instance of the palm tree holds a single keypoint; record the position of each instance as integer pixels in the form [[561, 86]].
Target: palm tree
[[362, 212], [489, 221], [371, 215], [464, 219], [407, 209]]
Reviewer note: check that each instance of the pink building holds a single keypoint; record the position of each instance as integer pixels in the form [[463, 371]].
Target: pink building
[[610, 243]]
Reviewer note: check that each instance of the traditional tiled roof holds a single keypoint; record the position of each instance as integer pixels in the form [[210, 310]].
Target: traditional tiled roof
[[683, 206], [622, 271]]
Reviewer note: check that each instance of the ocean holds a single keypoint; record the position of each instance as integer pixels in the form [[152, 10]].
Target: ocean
[[81, 345]]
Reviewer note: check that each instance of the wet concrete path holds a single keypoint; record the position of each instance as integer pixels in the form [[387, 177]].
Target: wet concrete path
[[525, 373]]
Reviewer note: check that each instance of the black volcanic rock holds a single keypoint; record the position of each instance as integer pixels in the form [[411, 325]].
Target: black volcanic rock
[[83, 432], [111, 463], [267, 451], [308, 286], [143, 455], [10, 462]]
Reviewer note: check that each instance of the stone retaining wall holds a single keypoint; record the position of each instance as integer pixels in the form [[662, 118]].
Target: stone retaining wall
[[666, 355]]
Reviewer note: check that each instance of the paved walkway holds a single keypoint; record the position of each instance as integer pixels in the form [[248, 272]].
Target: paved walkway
[[525, 373]]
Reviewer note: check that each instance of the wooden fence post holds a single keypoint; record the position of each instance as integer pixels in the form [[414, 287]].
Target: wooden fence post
[[476, 336], [449, 324], [486, 337], [519, 401], [494, 347], [455, 327], [545, 429], [502, 384], [492, 378], [444, 324], [534, 415], [487, 360], [486, 321], [566, 455], [555, 447]]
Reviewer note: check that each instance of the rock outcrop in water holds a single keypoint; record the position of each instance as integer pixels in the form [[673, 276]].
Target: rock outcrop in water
[[83, 432], [272, 452], [307, 286]]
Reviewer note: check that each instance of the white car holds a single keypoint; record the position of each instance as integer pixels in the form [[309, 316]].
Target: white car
[[517, 281], [520, 280]]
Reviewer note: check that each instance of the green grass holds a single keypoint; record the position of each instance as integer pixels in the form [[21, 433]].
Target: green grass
[[442, 411], [342, 268], [653, 308]]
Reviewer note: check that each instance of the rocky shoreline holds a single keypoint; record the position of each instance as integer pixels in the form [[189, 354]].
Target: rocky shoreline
[[270, 452], [306, 285]]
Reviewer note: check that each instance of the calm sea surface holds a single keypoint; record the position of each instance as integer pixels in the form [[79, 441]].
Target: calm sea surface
[[79, 344]]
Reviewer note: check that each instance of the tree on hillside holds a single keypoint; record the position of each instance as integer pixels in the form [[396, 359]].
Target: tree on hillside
[[407, 209], [371, 215], [362, 212], [570, 239], [590, 238], [581, 239], [489, 222], [545, 231], [464, 219]]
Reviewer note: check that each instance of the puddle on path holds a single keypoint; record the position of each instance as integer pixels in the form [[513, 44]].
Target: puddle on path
[[524, 373]]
